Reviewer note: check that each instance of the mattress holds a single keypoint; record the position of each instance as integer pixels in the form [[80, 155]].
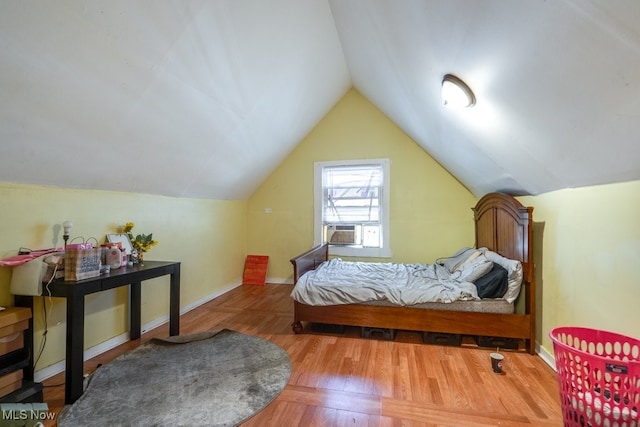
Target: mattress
[[479, 306]]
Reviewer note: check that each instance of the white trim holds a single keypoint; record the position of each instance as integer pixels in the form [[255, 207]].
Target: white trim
[[546, 356], [280, 280], [56, 368], [385, 250]]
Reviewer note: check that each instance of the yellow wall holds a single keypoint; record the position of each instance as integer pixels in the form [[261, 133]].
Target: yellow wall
[[586, 241], [430, 213], [587, 252], [207, 236]]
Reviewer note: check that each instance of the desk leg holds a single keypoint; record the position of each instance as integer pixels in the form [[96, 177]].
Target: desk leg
[[27, 301], [74, 373], [174, 303], [135, 326]]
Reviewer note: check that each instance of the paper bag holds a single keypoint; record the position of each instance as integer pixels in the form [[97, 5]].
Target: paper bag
[[81, 264]]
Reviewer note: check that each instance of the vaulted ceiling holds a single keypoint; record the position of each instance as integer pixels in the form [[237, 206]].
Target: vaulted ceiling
[[200, 98]]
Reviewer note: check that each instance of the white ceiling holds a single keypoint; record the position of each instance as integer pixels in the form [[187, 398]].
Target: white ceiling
[[205, 98]]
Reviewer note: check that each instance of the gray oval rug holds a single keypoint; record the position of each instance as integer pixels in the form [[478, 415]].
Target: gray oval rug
[[218, 378]]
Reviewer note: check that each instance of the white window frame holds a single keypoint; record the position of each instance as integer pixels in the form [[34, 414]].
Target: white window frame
[[348, 250]]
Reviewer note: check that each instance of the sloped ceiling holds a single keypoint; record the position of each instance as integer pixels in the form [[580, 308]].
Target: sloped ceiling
[[205, 98], [182, 98]]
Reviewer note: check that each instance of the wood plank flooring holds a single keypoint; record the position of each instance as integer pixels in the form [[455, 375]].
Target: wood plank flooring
[[345, 380]]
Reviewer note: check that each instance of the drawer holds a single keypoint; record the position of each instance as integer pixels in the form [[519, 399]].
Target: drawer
[[9, 343], [13, 322], [454, 340], [13, 328], [498, 342], [379, 333], [10, 382], [11, 316]]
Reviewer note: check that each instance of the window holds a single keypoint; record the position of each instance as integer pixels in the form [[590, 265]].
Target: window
[[352, 207]]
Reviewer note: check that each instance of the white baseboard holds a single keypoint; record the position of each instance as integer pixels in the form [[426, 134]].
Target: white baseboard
[[546, 356], [94, 351], [279, 281], [56, 368]]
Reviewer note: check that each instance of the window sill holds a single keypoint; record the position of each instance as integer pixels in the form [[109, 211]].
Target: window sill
[[358, 251]]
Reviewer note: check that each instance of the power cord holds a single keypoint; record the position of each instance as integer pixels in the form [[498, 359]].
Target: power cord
[[45, 316]]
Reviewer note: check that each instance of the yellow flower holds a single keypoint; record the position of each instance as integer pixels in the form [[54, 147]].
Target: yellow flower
[[141, 242]]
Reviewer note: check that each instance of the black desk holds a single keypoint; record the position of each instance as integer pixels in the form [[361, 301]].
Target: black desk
[[75, 292]]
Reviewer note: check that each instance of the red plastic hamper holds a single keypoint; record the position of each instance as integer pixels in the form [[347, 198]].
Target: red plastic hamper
[[598, 376]]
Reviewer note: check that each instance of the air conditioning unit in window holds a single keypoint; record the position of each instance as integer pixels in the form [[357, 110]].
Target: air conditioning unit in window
[[341, 234]]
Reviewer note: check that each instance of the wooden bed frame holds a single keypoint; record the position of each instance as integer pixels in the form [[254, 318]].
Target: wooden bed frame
[[503, 225]]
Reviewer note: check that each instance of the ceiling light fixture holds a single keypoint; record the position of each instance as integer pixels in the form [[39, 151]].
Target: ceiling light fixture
[[456, 93]]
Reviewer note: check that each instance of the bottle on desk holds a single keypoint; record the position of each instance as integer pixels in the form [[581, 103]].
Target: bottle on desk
[[114, 257]]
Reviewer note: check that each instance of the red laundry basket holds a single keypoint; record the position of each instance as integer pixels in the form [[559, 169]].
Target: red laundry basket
[[598, 376]]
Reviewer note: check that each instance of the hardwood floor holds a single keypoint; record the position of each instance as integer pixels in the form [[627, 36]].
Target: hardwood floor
[[345, 380]]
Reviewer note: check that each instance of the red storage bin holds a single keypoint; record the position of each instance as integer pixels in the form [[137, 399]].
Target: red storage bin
[[598, 376], [255, 270]]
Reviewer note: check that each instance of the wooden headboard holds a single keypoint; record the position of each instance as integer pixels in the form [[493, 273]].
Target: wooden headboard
[[504, 225], [309, 260]]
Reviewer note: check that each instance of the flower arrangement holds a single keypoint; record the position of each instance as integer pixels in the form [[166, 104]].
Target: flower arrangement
[[141, 242]]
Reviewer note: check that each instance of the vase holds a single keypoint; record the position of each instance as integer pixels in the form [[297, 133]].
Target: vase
[[141, 258]]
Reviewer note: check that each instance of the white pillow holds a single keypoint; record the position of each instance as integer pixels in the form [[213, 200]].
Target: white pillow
[[514, 273], [471, 258], [452, 262], [473, 270]]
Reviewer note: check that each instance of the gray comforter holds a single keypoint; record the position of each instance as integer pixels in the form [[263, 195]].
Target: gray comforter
[[345, 282]]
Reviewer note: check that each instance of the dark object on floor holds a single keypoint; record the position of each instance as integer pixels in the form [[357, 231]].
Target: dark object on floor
[[327, 328], [379, 333], [498, 342], [439, 338]]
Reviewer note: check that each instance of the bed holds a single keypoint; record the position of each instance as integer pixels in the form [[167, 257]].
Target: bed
[[502, 225]]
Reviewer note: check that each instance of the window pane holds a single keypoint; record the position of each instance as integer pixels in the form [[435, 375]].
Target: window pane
[[371, 237], [352, 193]]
